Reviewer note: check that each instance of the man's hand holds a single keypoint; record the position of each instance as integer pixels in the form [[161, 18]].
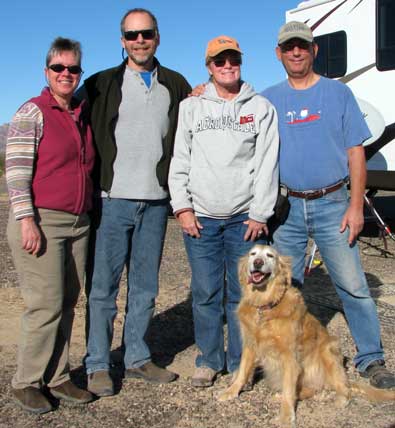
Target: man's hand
[[198, 90], [31, 236], [255, 230], [189, 223], [353, 219]]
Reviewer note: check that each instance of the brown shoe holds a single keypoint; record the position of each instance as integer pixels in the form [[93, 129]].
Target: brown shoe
[[203, 377], [32, 400], [100, 383], [69, 392], [151, 373]]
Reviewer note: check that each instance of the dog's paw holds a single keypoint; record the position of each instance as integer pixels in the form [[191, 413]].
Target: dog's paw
[[227, 394], [277, 396], [341, 402], [287, 422], [287, 418]]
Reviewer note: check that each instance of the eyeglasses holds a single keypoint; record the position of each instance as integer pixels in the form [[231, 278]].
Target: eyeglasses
[[145, 34], [290, 46], [73, 69], [233, 61]]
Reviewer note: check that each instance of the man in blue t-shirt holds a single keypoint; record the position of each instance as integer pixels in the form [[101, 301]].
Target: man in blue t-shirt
[[321, 135]]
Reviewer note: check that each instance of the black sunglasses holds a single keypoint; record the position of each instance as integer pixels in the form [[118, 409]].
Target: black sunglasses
[[73, 69], [290, 46], [145, 34], [233, 61]]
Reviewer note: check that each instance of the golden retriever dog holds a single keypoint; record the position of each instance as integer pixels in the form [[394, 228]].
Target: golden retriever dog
[[299, 356]]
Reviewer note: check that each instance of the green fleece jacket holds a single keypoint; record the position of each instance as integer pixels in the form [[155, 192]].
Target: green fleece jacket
[[103, 91]]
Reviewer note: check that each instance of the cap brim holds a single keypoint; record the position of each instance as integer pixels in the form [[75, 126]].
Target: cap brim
[[218, 51], [295, 36]]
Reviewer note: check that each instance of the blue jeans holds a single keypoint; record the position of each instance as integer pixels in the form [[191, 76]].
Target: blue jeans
[[130, 233], [320, 219], [213, 258]]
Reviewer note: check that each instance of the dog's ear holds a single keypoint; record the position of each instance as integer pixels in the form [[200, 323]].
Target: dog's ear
[[285, 269], [243, 270]]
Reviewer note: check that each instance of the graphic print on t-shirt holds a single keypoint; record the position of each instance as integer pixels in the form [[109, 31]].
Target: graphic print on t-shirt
[[304, 116]]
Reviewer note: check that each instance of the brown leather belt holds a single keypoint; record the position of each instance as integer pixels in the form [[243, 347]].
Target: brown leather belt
[[315, 194]]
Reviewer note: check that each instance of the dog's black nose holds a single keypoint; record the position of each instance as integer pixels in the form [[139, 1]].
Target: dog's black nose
[[258, 263]]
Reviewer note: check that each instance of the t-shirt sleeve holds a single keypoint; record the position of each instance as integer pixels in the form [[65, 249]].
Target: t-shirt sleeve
[[356, 130], [266, 94]]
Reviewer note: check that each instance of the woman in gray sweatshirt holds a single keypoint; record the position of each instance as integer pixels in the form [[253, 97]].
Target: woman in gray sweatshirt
[[223, 184]]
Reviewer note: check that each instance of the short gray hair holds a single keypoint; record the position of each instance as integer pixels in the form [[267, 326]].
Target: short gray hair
[[139, 10], [59, 45]]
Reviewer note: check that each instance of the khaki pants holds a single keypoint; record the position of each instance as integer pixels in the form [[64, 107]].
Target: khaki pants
[[50, 285]]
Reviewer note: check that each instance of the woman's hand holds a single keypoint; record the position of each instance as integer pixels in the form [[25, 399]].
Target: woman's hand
[[31, 236], [189, 223], [255, 230]]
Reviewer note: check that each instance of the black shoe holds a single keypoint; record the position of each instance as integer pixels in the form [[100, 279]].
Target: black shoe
[[379, 376], [151, 373], [32, 400]]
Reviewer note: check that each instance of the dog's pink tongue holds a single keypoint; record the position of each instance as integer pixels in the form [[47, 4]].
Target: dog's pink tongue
[[255, 277]]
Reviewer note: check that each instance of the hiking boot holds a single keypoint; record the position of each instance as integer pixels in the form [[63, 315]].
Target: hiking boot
[[203, 377], [32, 400], [100, 383], [69, 392], [379, 376], [150, 372]]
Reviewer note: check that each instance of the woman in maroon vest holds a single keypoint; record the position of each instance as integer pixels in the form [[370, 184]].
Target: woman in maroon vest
[[49, 160]]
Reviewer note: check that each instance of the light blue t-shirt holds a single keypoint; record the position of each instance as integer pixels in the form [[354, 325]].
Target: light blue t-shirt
[[316, 125], [146, 76]]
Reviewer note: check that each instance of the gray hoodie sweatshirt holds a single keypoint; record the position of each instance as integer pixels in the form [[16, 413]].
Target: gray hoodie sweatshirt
[[225, 158]]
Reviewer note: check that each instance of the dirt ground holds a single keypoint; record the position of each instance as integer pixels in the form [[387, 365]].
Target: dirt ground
[[178, 405]]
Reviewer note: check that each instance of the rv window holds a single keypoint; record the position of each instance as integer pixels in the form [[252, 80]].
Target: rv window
[[385, 40], [331, 60]]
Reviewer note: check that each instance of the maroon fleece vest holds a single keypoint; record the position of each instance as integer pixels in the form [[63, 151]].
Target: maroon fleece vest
[[64, 160]]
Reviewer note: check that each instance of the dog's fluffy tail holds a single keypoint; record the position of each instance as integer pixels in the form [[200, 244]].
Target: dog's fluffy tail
[[371, 393]]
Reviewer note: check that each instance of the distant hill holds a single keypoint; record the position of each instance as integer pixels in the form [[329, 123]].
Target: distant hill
[[3, 137]]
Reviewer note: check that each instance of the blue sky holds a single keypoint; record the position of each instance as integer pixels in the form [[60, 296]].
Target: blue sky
[[27, 29]]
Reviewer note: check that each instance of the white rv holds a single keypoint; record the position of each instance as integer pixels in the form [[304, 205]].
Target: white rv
[[356, 40]]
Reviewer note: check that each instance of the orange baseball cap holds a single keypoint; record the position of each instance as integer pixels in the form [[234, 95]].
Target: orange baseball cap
[[220, 44]]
